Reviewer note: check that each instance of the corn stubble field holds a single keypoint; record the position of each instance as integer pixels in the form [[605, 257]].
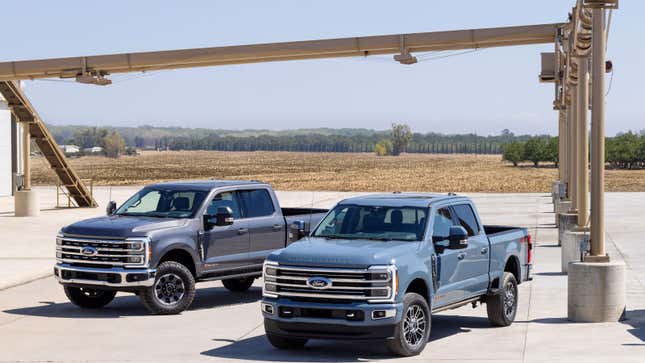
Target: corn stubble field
[[330, 171]]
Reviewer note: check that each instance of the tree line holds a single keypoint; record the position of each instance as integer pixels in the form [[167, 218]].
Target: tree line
[[623, 151]]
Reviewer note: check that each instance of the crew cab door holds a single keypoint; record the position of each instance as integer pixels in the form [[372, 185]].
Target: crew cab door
[[227, 247], [449, 286], [475, 265], [265, 222]]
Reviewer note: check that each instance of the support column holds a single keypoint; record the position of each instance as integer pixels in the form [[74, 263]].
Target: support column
[[582, 142], [27, 203], [573, 169], [562, 124], [596, 286], [26, 151]]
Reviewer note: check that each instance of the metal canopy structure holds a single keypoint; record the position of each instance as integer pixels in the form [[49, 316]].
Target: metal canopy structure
[[575, 42], [102, 65]]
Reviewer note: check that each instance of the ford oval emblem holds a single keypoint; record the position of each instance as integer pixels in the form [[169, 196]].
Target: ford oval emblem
[[319, 283], [89, 251]]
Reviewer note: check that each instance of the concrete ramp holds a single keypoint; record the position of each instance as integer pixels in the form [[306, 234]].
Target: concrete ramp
[[25, 112]]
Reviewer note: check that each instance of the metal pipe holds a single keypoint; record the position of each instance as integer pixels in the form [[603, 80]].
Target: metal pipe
[[598, 136], [26, 162], [582, 142]]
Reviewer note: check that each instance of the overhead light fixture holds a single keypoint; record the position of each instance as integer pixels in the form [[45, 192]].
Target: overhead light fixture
[[91, 79]]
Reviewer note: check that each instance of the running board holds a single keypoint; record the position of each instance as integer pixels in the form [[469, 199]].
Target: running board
[[457, 304]]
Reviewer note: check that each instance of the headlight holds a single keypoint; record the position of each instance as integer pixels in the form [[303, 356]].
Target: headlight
[[384, 284], [59, 238], [269, 274]]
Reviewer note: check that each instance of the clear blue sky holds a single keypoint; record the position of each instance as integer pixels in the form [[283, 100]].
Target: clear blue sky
[[482, 92]]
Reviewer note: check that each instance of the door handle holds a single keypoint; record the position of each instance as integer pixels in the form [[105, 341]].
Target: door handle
[[484, 250], [461, 256], [242, 230], [277, 227]]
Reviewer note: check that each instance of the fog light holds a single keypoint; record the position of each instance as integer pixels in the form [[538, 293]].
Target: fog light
[[383, 314], [134, 259], [380, 293], [270, 287], [268, 308]]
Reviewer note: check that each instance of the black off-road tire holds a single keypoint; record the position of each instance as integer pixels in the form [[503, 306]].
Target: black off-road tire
[[402, 343], [284, 343], [502, 307], [172, 292], [239, 284], [89, 298]]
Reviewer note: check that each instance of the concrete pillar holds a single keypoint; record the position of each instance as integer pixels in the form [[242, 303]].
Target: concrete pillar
[[567, 222], [582, 142], [571, 247], [596, 292], [562, 162]]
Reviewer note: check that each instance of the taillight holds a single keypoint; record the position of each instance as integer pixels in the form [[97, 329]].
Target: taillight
[[529, 249]]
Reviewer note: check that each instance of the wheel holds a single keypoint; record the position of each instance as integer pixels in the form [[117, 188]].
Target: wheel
[[503, 306], [238, 285], [284, 343], [89, 298], [173, 290], [411, 334]]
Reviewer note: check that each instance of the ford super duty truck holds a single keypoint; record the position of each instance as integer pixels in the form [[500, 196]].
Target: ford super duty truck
[[170, 235], [378, 266]]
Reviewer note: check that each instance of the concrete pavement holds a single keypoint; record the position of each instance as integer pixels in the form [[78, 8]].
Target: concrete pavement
[[38, 324]]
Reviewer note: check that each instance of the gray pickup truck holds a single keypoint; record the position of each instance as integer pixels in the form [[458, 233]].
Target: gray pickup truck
[[378, 266], [170, 235]]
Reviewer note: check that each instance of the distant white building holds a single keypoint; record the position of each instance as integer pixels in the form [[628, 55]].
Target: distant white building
[[93, 150], [69, 149]]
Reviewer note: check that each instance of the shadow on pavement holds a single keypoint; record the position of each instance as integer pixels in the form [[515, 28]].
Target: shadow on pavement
[[636, 318], [258, 348], [206, 298]]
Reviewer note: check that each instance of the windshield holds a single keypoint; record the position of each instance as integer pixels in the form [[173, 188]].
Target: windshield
[[374, 222], [162, 203]]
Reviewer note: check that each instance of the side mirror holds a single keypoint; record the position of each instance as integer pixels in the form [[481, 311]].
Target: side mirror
[[224, 217], [111, 208], [458, 238], [298, 230]]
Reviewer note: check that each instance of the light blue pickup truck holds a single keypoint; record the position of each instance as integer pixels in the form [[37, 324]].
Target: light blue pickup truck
[[378, 266]]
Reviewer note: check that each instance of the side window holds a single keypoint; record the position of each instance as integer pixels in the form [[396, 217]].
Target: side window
[[441, 225], [256, 203], [467, 219], [226, 199]]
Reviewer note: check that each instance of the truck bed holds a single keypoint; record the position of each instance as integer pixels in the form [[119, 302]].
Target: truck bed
[[503, 239]]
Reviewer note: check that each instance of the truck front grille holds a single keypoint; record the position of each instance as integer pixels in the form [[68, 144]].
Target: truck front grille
[[91, 252], [376, 284]]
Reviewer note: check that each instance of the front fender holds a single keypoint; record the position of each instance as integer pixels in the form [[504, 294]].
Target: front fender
[[162, 247]]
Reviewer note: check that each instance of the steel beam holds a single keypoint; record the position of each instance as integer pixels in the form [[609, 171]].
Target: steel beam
[[312, 49]]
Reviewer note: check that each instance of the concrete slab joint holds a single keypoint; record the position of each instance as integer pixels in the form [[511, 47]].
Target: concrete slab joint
[[596, 292]]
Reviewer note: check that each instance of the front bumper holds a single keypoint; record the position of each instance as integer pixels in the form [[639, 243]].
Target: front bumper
[[104, 277], [354, 321]]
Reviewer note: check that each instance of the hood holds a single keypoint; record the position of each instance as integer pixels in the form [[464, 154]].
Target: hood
[[121, 226], [351, 253]]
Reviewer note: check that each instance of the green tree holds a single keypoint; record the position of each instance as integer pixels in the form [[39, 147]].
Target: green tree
[[383, 148], [551, 151], [113, 145], [401, 136], [622, 150], [535, 150], [513, 152]]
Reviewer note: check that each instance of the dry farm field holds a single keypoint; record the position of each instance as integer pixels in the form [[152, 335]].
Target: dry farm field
[[330, 171]]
